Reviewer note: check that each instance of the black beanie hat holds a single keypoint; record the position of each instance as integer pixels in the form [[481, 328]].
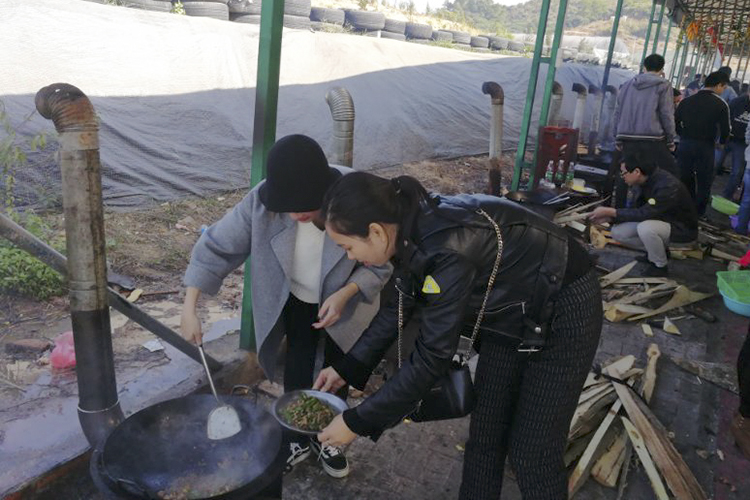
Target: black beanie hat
[[297, 175]]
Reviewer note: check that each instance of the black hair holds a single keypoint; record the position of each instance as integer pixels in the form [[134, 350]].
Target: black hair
[[716, 78], [676, 93], [654, 62], [743, 88], [725, 69], [735, 84], [358, 199], [636, 157]]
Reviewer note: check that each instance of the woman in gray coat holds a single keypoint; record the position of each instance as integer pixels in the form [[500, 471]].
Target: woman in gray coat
[[303, 285]]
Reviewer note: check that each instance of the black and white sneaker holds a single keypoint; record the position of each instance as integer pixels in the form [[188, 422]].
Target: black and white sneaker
[[298, 452], [333, 459]]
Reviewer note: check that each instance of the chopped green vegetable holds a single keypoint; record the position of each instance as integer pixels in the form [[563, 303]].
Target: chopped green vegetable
[[308, 413]]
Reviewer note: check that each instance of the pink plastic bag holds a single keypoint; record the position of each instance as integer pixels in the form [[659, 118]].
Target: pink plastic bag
[[64, 354]]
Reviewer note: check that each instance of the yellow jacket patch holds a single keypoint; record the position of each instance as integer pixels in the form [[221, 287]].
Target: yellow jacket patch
[[430, 285]]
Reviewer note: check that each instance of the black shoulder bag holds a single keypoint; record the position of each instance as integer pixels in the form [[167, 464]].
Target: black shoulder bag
[[453, 394]]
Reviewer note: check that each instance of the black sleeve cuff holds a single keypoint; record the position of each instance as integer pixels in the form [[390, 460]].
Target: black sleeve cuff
[[360, 426], [351, 370]]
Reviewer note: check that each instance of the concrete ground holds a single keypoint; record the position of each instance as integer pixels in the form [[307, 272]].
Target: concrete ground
[[424, 461]]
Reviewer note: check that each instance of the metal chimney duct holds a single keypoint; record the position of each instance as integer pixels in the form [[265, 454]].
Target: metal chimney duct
[[342, 111], [497, 97]]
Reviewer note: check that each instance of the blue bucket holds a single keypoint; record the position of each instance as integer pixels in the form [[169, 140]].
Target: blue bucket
[[736, 306]]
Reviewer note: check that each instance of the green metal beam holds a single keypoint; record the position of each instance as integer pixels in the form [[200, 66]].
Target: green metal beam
[[666, 40], [552, 68], [654, 49], [608, 64], [648, 32], [530, 93], [676, 56], [264, 129]]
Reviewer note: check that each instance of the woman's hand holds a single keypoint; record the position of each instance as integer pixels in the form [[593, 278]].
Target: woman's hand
[[190, 324], [337, 433], [332, 308], [329, 380]]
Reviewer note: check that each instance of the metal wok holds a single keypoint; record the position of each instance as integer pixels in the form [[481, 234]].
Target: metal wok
[[163, 452]]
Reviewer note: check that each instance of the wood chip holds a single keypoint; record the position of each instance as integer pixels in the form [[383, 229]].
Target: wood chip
[[670, 327], [647, 330], [135, 295], [617, 274], [648, 464], [682, 297]]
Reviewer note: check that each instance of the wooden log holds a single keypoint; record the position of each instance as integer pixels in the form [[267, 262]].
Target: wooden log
[[606, 470], [593, 451], [676, 473], [576, 448], [588, 415], [721, 374], [648, 464], [649, 379]]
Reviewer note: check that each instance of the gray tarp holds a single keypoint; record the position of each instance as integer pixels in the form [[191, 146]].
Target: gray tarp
[[176, 94]]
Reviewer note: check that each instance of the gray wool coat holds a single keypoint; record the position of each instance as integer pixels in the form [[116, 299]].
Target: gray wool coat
[[251, 230]]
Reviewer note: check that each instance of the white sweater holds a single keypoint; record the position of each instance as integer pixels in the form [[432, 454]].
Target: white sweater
[[308, 258]]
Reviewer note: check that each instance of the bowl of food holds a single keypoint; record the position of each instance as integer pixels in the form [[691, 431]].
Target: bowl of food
[[307, 411]]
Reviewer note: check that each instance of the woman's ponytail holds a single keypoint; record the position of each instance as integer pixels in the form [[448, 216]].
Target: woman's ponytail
[[358, 199]]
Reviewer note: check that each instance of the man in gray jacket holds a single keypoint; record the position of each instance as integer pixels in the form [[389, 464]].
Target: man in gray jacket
[[645, 115], [303, 285]]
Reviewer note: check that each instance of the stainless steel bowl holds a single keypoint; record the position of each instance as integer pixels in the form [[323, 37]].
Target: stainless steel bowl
[[333, 402]]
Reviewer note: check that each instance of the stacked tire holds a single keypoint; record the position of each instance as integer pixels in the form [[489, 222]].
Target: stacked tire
[[394, 29], [461, 38], [153, 5], [515, 46], [216, 9], [330, 20], [479, 42], [442, 36], [498, 43], [418, 31], [297, 14], [367, 23]]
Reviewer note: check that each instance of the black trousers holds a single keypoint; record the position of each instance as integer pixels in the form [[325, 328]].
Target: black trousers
[[302, 344], [743, 374], [526, 401], [696, 161]]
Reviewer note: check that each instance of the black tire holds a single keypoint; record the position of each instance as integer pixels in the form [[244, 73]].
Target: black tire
[[395, 26], [296, 22], [326, 27], [480, 42], [372, 33], [330, 16], [515, 46], [246, 18], [215, 10], [393, 36], [442, 36], [461, 37], [417, 31], [362, 20], [244, 7], [152, 5], [297, 8], [498, 43]]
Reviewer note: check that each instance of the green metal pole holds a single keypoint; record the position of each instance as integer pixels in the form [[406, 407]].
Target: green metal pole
[[676, 56], [666, 40], [552, 65], [680, 77], [658, 28], [648, 32], [264, 130], [608, 64], [530, 92]]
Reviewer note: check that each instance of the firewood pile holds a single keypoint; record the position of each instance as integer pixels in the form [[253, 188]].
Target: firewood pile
[[613, 422], [654, 301]]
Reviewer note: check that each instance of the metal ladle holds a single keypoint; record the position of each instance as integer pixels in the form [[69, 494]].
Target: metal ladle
[[223, 421]]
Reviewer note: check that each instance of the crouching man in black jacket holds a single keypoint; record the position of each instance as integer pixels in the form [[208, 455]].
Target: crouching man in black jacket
[[664, 212]]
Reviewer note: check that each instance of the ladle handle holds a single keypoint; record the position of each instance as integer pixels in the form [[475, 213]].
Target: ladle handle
[[208, 372]]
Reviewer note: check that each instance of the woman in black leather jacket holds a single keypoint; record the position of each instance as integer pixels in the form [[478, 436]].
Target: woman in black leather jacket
[[536, 341]]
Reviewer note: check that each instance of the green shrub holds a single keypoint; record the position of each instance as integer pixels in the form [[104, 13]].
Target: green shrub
[[22, 274]]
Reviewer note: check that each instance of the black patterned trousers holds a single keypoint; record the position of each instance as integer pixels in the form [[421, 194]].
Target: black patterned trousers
[[526, 401]]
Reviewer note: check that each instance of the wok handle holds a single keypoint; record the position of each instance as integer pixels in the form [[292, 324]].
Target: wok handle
[[208, 372]]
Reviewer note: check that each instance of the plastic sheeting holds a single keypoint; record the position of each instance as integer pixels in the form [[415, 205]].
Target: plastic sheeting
[[175, 95]]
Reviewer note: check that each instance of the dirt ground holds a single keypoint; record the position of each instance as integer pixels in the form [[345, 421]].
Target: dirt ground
[[153, 246]]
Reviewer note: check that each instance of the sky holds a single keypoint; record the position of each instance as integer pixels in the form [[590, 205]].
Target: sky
[[420, 4]]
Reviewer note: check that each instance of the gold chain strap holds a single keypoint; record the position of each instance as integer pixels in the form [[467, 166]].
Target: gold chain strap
[[490, 284]]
